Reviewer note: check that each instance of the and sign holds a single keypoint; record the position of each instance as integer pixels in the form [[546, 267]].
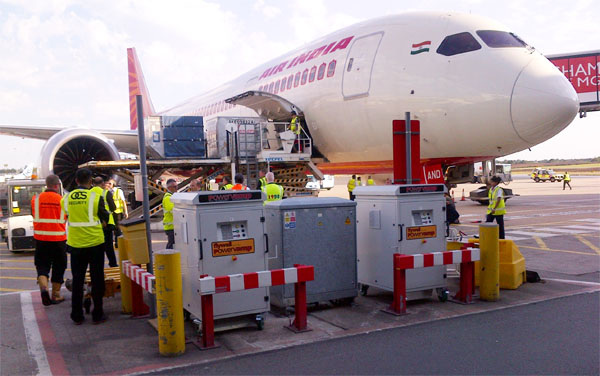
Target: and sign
[[233, 247], [421, 232], [433, 174], [583, 71]]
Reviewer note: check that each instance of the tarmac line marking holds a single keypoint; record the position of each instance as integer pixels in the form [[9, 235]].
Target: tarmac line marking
[[532, 234], [35, 346], [19, 292], [595, 220], [589, 228], [573, 281], [11, 290], [540, 242], [8, 260], [25, 278], [20, 268], [558, 250], [514, 238], [588, 243], [569, 231]]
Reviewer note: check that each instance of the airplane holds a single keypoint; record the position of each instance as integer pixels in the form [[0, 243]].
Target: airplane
[[479, 91]]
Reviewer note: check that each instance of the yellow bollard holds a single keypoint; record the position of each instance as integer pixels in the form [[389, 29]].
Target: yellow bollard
[[489, 287], [169, 303], [125, 281]]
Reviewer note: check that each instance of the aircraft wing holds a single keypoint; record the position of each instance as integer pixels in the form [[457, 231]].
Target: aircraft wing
[[125, 140]]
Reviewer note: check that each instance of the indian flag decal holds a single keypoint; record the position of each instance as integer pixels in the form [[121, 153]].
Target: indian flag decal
[[417, 48]]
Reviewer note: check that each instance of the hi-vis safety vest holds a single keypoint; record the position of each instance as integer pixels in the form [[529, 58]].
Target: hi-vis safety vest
[[48, 217], [370, 182], [85, 228], [168, 212], [263, 182], [102, 192], [227, 187], [351, 185], [500, 209], [239, 187], [294, 127], [117, 199], [273, 191], [567, 177]]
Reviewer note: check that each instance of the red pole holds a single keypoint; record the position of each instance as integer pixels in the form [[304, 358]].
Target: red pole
[[467, 282], [208, 323], [300, 320], [398, 306]]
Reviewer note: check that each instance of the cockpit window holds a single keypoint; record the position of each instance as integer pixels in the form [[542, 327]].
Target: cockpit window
[[458, 44], [500, 39]]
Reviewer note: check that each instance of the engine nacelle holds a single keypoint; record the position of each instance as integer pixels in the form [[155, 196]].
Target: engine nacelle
[[69, 148]]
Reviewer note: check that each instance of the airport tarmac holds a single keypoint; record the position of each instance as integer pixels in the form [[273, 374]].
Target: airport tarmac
[[557, 231]]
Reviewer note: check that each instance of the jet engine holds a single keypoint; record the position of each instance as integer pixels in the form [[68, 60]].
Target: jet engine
[[66, 150]]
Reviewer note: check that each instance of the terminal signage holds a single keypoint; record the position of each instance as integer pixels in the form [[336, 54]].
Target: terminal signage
[[421, 232], [582, 70], [232, 247]]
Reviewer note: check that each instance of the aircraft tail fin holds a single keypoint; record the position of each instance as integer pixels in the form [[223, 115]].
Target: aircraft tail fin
[[137, 86]]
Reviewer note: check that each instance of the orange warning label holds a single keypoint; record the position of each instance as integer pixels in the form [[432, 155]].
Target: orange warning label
[[233, 247], [421, 232]]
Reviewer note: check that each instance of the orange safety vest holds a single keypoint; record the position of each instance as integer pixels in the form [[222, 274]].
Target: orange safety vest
[[239, 187], [48, 217]]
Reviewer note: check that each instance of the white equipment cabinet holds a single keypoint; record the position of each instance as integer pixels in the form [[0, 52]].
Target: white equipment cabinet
[[221, 233], [405, 219]]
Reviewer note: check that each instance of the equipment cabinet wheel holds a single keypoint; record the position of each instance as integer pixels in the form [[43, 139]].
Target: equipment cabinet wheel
[[442, 294], [363, 289], [260, 322]]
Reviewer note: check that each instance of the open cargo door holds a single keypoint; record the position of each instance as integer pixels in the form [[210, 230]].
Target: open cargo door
[[267, 105]]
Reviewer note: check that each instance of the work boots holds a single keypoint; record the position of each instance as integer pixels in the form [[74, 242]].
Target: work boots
[[56, 298], [43, 282]]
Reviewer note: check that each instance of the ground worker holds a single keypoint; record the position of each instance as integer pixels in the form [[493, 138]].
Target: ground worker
[[194, 187], [239, 183], [86, 215], [295, 127], [168, 213], [273, 191], [120, 208], [567, 181], [100, 188], [370, 181], [262, 181], [351, 186], [49, 232], [226, 183], [496, 208], [359, 182]]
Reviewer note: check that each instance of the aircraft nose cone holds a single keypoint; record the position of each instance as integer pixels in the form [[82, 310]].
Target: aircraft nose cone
[[543, 101]]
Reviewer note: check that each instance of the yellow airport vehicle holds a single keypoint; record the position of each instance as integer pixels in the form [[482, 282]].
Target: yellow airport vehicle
[[542, 174]]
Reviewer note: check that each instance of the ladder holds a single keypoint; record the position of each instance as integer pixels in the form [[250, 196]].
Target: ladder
[[249, 147]]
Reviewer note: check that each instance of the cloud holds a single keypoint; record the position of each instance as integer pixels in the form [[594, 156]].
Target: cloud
[[268, 11]]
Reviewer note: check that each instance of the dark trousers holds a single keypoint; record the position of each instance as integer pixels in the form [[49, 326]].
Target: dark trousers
[[351, 195], [50, 255], [118, 217], [565, 183], [80, 259], [499, 220], [170, 238], [108, 245]]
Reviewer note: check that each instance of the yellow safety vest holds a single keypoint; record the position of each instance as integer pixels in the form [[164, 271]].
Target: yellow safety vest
[[500, 210], [273, 191], [351, 185], [293, 127], [85, 228], [102, 192], [227, 187], [168, 212], [567, 177], [370, 182], [263, 182], [117, 199]]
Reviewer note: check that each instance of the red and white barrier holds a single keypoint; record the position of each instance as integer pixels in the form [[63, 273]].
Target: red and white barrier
[[140, 276], [141, 280], [299, 275], [464, 257]]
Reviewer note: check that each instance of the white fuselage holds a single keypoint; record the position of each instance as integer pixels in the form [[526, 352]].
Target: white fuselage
[[481, 104]]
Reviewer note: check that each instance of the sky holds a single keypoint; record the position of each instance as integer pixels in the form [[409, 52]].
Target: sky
[[63, 62]]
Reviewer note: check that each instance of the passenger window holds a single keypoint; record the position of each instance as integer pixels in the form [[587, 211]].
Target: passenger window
[[277, 86], [283, 81], [297, 79], [313, 72], [321, 74], [350, 64], [290, 81], [304, 76], [331, 68], [499, 39], [458, 44], [271, 87]]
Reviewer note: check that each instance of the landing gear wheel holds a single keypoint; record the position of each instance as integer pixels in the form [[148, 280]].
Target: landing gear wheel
[[364, 289], [87, 304], [260, 322], [442, 294]]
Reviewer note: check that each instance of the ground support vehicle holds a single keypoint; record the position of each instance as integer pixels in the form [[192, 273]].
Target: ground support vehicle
[[542, 174], [480, 195], [19, 224]]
